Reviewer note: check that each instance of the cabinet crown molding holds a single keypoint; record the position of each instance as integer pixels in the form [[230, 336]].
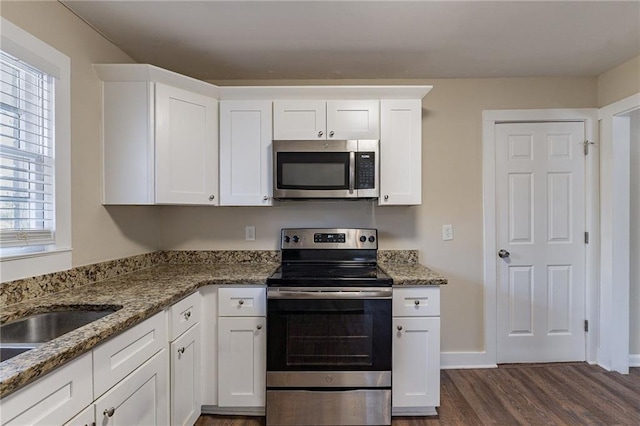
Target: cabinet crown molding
[[148, 72]]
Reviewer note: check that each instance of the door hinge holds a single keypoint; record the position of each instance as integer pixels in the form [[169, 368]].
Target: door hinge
[[586, 146], [586, 326], [586, 238]]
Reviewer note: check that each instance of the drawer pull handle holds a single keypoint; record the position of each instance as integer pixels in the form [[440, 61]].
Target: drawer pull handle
[[259, 326], [417, 302], [109, 412], [181, 350], [399, 328], [187, 315], [240, 302]]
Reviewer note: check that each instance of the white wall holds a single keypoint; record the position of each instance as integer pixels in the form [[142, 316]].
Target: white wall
[[634, 270]]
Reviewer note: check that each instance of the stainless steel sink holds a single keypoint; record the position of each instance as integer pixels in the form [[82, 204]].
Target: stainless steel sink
[[27, 333]]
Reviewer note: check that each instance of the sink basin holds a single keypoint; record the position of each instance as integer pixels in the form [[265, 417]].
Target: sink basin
[[27, 333]]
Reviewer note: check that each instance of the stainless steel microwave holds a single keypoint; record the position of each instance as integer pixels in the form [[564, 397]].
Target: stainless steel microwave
[[325, 169]]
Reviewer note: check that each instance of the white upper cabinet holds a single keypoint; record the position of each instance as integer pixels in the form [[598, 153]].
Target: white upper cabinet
[[186, 147], [245, 153], [313, 119], [160, 137], [400, 152], [299, 120], [353, 119]]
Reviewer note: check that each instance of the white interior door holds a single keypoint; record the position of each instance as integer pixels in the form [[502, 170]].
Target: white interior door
[[540, 202]]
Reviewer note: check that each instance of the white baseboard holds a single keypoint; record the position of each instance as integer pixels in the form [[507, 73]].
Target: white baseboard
[[634, 360], [458, 360]]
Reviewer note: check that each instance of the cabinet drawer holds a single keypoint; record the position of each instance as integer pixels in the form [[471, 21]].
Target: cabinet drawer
[[242, 302], [184, 314], [53, 399], [118, 357], [416, 302]]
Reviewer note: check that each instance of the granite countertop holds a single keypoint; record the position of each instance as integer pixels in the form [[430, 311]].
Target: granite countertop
[[139, 295], [412, 274]]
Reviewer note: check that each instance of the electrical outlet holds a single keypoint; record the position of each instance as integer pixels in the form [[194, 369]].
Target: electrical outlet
[[249, 233], [447, 232]]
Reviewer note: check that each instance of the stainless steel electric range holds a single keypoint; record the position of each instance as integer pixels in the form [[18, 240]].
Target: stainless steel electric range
[[329, 331]]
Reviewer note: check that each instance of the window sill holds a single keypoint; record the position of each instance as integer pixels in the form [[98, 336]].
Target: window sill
[[29, 265]]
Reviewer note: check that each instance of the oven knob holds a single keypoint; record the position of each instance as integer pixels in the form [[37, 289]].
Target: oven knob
[[363, 239], [296, 239], [287, 239], [372, 239]]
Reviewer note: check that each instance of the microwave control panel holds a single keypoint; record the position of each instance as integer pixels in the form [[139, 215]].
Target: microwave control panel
[[365, 170]]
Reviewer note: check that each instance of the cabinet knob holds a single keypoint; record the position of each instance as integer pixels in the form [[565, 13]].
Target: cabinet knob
[[187, 315], [331, 133], [399, 328], [265, 198], [259, 326], [181, 350], [417, 302], [212, 197], [320, 133], [386, 198], [240, 302], [109, 412]]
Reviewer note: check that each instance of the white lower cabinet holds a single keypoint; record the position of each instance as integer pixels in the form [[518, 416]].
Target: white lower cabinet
[[416, 351], [53, 399], [185, 378], [242, 347], [139, 399], [185, 352]]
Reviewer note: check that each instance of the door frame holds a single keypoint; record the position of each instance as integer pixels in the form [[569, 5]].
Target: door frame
[[589, 116], [613, 353]]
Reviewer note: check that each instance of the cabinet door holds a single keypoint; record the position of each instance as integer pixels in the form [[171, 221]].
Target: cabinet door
[[186, 147], [52, 399], [400, 152], [242, 361], [299, 120], [416, 362], [185, 378], [139, 399], [353, 119], [245, 153]]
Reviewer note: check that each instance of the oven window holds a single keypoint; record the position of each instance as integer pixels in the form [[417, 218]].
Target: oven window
[[329, 340], [313, 170]]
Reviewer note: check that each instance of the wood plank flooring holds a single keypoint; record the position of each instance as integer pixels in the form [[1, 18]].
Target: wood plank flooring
[[522, 394]]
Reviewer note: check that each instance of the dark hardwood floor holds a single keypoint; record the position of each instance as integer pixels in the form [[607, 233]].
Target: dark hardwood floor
[[524, 394]]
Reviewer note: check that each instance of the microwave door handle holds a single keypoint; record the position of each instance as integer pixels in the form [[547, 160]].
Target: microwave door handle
[[352, 171]]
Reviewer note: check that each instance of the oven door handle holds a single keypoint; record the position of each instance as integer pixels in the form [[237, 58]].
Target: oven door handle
[[329, 293]]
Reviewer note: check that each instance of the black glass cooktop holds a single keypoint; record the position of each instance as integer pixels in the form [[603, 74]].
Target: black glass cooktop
[[329, 275]]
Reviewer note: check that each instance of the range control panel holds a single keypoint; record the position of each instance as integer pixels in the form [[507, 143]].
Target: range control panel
[[329, 238]]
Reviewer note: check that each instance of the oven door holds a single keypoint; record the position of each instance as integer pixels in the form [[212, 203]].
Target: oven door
[[328, 330]]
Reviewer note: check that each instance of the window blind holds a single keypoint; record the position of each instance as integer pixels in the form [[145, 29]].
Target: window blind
[[26, 154]]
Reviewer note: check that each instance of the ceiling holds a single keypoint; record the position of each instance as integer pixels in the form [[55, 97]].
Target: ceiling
[[221, 40]]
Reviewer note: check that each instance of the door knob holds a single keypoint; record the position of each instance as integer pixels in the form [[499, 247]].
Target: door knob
[[503, 254]]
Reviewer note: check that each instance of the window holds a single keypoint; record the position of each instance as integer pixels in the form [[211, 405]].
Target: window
[[26, 156], [35, 210]]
